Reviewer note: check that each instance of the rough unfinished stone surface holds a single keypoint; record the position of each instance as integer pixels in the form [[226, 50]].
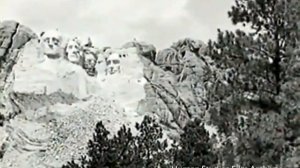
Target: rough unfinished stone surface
[[44, 127], [175, 91], [13, 37], [50, 136], [145, 49], [47, 125]]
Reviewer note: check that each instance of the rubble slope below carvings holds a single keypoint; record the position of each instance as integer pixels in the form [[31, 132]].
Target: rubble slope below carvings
[[60, 132], [32, 101]]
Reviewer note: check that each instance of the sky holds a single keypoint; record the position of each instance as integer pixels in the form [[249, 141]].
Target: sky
[[115, 22]]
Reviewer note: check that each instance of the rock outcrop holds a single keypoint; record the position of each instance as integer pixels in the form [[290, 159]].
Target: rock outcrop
[[175, 89], [51, 106], [144, 49], [13, 38], [50, 136]]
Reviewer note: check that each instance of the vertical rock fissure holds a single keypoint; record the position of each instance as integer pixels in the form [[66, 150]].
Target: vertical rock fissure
[[9, 58], [6, 51]]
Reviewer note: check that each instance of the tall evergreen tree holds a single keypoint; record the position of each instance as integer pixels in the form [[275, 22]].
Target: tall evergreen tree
[[260, 104], [194, 148], [125, 150]]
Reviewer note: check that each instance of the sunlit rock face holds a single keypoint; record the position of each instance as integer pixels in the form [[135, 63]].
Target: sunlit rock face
[[47, 132], [13, 38], [123, 77], [51, 43], [61, 90], [113, 64], [169, 60], [74, 51], [100, 65], [52, 70], [175, 89], [83, 54], [145, 49]]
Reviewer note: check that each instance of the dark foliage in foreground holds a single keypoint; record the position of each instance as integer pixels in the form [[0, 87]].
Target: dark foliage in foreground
[[146, 149], [258, 105], [195, 147], [124, 149]]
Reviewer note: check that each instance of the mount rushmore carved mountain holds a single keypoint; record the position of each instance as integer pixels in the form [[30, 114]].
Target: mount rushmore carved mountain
[[54, 89]]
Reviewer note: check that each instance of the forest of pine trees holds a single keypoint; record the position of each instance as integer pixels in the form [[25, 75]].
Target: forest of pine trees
[[259, 107]]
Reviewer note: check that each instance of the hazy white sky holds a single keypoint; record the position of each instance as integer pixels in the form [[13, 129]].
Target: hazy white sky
[[114, 22]]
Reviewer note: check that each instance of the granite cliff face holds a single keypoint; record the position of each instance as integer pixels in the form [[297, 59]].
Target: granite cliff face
[[51, 105], [13, 38], [175, 90]]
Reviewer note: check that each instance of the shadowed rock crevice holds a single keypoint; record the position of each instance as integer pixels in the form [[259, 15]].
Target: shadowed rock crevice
[[13, 38], [176, 82], [9, 44]]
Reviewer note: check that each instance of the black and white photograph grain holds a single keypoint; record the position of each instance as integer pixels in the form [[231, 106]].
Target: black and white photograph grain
[[149, 84]]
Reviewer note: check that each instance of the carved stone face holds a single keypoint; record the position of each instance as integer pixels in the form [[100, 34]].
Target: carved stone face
[[89, 64], [89, 60], [113, 64], [74, 52], [51, 44]]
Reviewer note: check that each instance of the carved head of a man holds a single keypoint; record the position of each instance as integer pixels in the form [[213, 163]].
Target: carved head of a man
[[51, 42], [74, 52], [113, 64]]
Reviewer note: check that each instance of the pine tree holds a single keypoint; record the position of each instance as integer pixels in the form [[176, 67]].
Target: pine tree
[[150, 149], [195, 148], [258, 104], [124, 149]]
